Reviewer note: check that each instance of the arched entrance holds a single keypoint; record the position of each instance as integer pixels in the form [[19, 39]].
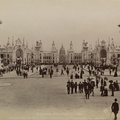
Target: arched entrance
[[103, 56], [19, 56], [103, 53], [62, 59], [19, 53]]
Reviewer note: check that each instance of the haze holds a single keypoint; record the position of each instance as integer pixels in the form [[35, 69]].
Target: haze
[[61, 21]]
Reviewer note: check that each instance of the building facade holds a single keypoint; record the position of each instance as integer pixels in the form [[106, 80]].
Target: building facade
[[12, 53], [45, 57], [103, 53], [18, 52]]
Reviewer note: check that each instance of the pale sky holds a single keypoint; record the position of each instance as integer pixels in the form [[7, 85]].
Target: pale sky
[[61, 21]]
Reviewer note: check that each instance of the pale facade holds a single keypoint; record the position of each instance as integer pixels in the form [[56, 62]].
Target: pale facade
[[84, 52], [103, 53], [72, 56], [42, 56], [10, 53]]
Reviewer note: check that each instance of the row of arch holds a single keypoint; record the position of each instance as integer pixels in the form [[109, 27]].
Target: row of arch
[[19, 54]]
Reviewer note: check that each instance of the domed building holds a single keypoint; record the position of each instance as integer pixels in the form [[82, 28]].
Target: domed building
[[62, 55]]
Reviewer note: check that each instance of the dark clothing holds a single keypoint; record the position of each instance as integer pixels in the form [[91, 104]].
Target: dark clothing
[[92, 87], [105, 92], [102, 81], [51, 73], [62, 72], [71, 77], [75, 87], [115, 109], [80, 87], [72, 87], [87, 90], [68, 88], [112, 88], [97, 82], [102, 90], [81, 74]]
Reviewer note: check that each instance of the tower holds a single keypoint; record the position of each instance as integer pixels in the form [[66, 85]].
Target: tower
[[53, 46], [71, 46], [84, 51], [62, 55]]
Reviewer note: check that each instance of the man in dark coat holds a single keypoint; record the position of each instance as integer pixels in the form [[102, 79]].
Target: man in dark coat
[[87, 90], [68, 88], [112, 88], [72, 86], [51, 72], [102, 90], [75, 85], [97, 82], [71, 76], [115, 108], [80, 87], [81, 73]]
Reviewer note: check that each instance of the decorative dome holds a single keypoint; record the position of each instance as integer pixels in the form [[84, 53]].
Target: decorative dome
[[62, 51]]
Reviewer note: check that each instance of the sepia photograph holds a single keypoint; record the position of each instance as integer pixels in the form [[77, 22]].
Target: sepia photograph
[[59, 59]]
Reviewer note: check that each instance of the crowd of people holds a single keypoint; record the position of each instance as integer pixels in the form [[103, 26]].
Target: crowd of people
[[86, 86], [96, 78], [81, 79]]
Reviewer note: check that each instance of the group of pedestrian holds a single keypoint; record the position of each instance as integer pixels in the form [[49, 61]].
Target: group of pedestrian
[[87, 87]]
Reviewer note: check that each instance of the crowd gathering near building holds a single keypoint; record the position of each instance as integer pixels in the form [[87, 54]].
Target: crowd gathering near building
[[88, 66]]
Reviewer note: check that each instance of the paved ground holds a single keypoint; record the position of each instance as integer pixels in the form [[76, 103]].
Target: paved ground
[[39, 98]]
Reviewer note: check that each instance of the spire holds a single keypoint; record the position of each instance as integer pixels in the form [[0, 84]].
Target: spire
[[71, 46], [53, 45], [40, 44], [8, 43], [27, 44], [12, 40], [98, 42], [109, 41], [23, 40], [112, 43], [32, 46]]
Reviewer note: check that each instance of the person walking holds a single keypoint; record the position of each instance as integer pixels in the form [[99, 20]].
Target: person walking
[[102, 90], [115, 108], [75, 85], [72, 86], [68, 88], [112, 88], [87, 90], [80, 87], [51, 72], [62, 73]]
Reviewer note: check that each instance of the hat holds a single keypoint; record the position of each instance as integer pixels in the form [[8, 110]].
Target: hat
[[115, 99]]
